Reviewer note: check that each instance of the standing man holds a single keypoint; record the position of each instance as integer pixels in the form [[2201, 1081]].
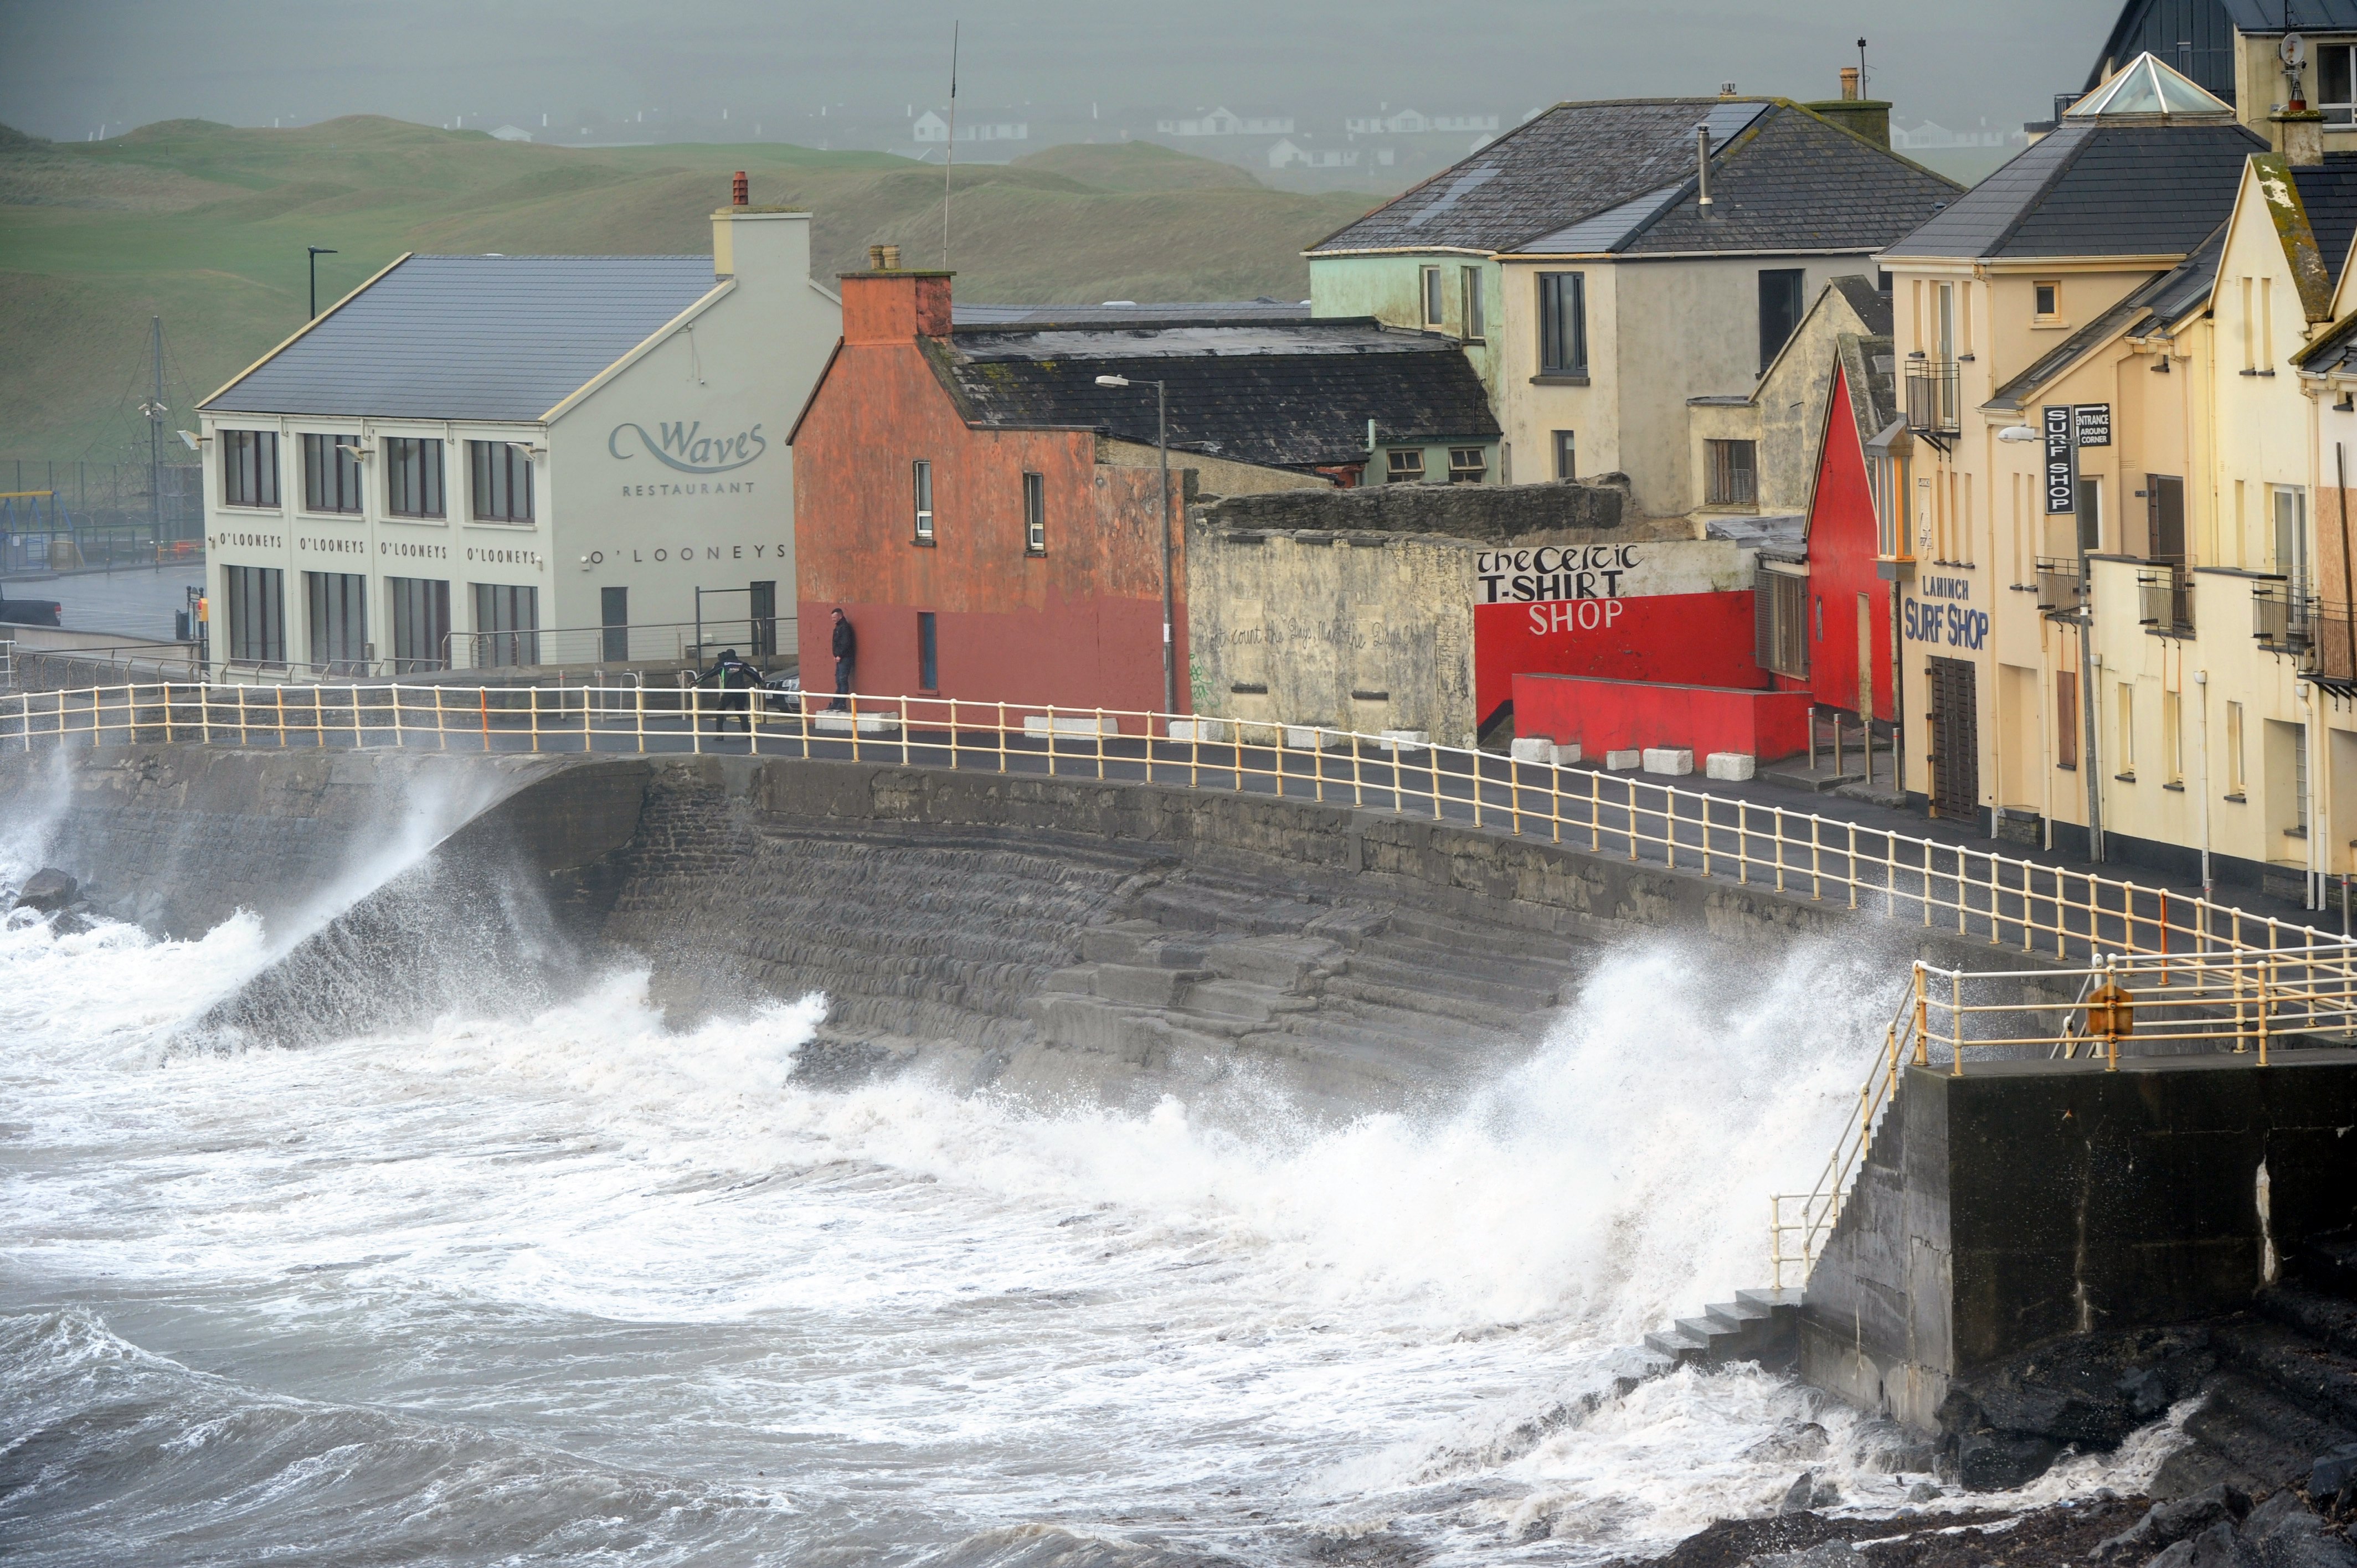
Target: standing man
[[847, 661]]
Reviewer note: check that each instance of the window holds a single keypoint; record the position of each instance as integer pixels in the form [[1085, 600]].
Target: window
[[1779, 309], [763, 609], [614, 615], [1733, 476], [2235, 774], [1945, 319], [922, 481], [2165, 517], [1563, 324], [2336, 84], [331, 473], [1403, 466], [1566, 455], [2290, 508], [421, 624], [507, 625], [2089, 498], [257, 615], [503, 481], [249, 465], [1780, 622], [1470, 313], [1436, 301], [2066, 718], [2124, 753], [928, 674], [1468, 465], [338, 607], [2048, 301], [1035, 513], [2172, 737], [412, 477]]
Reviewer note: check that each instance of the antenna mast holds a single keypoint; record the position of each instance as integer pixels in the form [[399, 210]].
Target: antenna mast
[[949, 156]]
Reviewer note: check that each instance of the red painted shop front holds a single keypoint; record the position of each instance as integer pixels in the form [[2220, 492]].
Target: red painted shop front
[[1603, 715], [1850, 660], [1653, 611]]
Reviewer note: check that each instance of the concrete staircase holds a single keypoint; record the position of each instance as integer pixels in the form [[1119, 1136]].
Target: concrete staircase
[[1761, 1325]]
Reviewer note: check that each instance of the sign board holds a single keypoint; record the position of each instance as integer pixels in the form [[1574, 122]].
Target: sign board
[[2062, 463], [2091, 423]]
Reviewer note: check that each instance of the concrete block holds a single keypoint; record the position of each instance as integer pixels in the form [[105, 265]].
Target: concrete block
[[1534, 748], [1737, 765], [1211, 732], [1075, 723], [867, 723], [1671, 760], [1303, 737], [1405, 740], [1622, 761], [1564, 755]]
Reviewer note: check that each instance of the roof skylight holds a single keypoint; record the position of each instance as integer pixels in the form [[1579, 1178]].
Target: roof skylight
[[2149, 89]]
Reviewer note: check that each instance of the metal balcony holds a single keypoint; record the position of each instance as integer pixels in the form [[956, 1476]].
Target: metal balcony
[[2059, 590], [2282, 617], [2165, 597], [1932, 398]]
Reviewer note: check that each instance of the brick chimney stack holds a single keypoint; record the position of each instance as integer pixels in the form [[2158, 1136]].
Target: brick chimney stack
[[741, 190]]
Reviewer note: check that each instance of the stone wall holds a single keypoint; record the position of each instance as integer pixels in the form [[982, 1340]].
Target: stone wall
[[1489, 514]]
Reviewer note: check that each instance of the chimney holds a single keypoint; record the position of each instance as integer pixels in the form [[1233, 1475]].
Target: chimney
[[2298, 135], [1869, 119], [741, 190], [759, 246], [886, 303]]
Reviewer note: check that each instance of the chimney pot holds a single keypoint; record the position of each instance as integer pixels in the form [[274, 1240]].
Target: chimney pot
[[890, 261], [875, 258], [1849, 84], [741, 190]]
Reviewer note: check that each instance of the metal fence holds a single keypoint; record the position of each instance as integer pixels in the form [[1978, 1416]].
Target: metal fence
[[75, 516]]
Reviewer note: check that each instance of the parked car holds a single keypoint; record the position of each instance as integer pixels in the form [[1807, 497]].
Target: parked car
[[30, 612]]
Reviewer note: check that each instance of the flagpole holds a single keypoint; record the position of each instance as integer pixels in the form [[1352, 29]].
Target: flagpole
[[949, 157]]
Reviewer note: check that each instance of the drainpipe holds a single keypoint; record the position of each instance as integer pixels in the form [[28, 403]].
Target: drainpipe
[[2312, 888], [2201, 685], [1702, 165], [2090, 697]]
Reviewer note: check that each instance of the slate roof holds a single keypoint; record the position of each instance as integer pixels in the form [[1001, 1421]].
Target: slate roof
[[2335, 350], [2329, 195], [1872, 306], [505, 338], [2096, 189], [1293, 396], [1619, 175], [1263, 309]]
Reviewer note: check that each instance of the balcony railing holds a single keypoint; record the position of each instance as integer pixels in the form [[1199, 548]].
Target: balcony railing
[[1932, 398], [2060, 589], [2282, 617], [2167, 599]]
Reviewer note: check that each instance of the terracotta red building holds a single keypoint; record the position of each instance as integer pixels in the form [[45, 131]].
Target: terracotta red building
[[987, 516]]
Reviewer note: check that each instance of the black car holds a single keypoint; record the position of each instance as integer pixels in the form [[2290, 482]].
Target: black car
[[30, 612]]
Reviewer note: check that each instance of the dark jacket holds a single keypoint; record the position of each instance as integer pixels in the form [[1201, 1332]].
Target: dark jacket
[[731, 672], [846, 643]]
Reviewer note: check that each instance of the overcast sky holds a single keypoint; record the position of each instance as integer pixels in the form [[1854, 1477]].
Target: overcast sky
[[67, 66]]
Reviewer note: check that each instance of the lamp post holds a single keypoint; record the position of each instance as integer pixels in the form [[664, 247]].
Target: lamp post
[[317, 251], [1162, 447]]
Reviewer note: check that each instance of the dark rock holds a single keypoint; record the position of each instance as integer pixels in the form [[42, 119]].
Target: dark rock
[[1825, 1495], [2283, 1532], [1923, 1492], [2165, 1524], [1793, 1440], [1797, 1496], [2146, 1393], [48, 890], [2331, 1474], [1990, 1461], [1824, 1554]]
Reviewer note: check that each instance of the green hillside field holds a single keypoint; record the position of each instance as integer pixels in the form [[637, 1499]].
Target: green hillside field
[[206, 225]]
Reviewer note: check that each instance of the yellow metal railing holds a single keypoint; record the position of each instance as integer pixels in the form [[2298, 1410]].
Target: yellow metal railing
[[2039, 909]]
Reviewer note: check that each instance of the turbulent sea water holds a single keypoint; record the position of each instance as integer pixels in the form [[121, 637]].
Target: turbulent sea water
[[579, 1288]]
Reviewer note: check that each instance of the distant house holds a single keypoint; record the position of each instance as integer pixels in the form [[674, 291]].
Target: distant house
[[1596, 292], [1290, 154], [1932, 136], [1465, 122], [1408, 122], [929, 127], [986, 512], [511, 134], [1223, 122]]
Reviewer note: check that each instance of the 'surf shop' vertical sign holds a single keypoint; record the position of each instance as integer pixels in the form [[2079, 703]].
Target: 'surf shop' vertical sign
[[2062, 469]]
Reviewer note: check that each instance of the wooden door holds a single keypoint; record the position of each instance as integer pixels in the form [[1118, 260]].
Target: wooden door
[[1955, 727]]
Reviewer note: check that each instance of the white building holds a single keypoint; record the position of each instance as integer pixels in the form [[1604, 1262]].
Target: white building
[[474, 461], [511, 134], [929, 126], [1223, 122], [1287, 154], [1410, 122]]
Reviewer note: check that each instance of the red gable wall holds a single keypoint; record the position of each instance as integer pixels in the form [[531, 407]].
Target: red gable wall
[[1842, 548]]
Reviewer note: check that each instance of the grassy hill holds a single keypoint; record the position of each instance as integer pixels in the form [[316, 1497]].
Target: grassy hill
[[206, 225]]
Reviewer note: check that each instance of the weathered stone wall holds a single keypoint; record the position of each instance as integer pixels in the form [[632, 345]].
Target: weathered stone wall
[[1491, 515]]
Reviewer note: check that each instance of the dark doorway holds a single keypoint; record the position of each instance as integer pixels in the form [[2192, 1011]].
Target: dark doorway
[[614, 612], [765, 620], [2164, 512], [929, 675], [1955, 722], [1779, 309]]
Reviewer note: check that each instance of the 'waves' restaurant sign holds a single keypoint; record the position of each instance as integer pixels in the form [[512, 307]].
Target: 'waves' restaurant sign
[[683, 446]]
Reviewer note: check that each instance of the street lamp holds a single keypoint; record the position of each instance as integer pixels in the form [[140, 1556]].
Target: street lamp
[[317, 251], [1161, 446]]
